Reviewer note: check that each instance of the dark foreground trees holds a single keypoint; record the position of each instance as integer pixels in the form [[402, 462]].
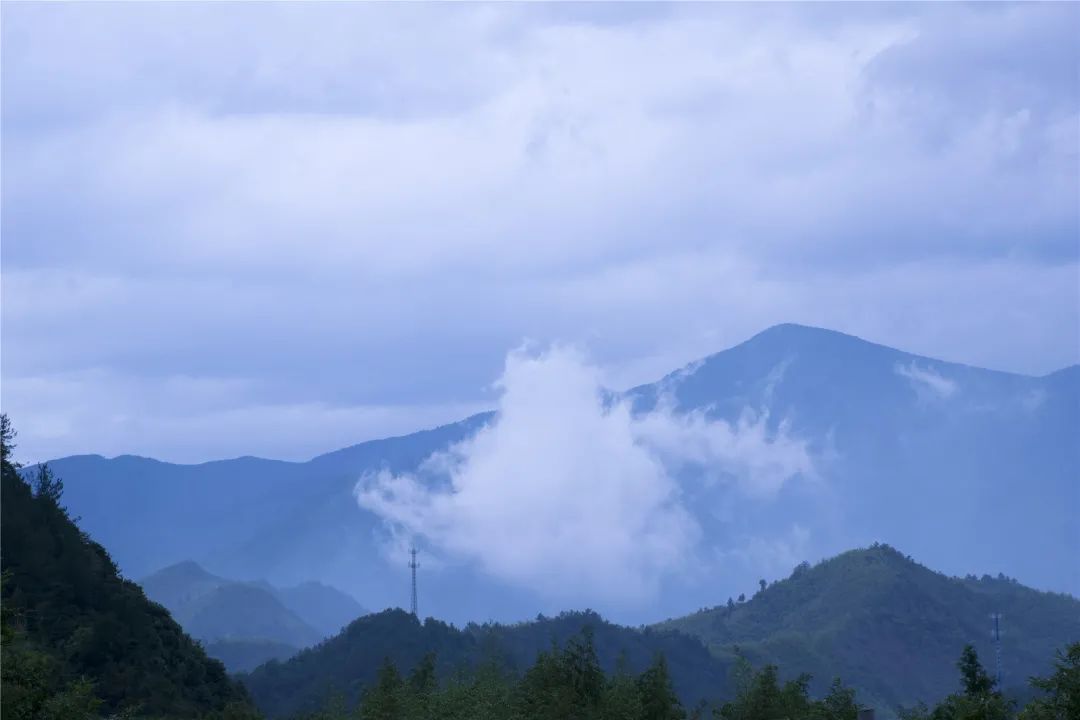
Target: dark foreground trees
[[78, 641], [563, 684], [979, 699], [569, 684]]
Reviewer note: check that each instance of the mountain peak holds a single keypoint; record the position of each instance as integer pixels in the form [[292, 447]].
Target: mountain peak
[[185, 569]]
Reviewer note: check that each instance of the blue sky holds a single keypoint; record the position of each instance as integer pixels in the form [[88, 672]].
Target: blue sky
[[278, 229]]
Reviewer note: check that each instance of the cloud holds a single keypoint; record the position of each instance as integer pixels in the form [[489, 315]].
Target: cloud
[[101, 412], [568, 493], [926, 381], [204, 191]]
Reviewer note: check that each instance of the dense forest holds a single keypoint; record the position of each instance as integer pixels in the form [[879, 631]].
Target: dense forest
[[78, 640], [889, 626], [569, 684], [350, 661]]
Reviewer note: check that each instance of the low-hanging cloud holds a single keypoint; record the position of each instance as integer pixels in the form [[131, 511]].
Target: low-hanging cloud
[[570, 493], [927, 383]]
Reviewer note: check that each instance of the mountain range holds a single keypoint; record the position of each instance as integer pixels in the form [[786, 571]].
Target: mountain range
[[243, 624], [968, 469], [889, 627]]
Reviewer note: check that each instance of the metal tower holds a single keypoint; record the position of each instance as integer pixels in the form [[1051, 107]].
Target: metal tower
[[412, 566], [995, 633]]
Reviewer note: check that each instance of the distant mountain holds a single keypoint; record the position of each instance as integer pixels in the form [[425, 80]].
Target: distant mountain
[[349, 662], [73, 629], [241, 656], [968, 469], [249, 620], [325, 608], [891, 628]]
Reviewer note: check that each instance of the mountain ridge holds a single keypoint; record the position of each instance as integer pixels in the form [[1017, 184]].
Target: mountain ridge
[[892, 437], [780, 329]]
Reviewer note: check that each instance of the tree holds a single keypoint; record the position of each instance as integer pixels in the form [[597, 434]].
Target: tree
[[730, 604], [978, 701], [422, 687], [7, 444], [742, 597], [78, 640], [974, 678], [622, 698], [658, 698], [839, 703], [385, 699], [763, 585], [47, 486], [1061, 700]]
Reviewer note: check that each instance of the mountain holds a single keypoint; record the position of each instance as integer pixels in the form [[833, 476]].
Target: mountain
[[885, 625], [968, 469], [350, 661], [325, 608], [890, 627], [247, 621], [74, 630], [244, 655]]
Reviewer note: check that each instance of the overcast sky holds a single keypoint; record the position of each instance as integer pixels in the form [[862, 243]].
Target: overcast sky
[[278, 229]]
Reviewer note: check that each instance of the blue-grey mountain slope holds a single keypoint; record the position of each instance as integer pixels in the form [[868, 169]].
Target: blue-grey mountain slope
[[968, 469], [210, 608], [245, 623]]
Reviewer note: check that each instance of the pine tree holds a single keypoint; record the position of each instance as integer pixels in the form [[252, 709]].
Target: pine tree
[[1061, 699], [658, 697], [385, 699], [622, 698]]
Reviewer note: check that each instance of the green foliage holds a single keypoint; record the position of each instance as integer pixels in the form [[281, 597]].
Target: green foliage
[[1061, 689], [762, 696], [975, 679], [978, 699], [658, 698], [890, 627], [350, 661], [562, 684], [78, 640]]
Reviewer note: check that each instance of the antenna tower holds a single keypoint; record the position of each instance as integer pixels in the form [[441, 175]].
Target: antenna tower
[[995, 633], [412, 566]]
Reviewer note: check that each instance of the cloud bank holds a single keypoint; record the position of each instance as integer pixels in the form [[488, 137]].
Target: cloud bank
[[361, 206], [568, 493]]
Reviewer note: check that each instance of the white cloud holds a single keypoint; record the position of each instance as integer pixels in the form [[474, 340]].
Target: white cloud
[[573, 496], [927, 382], [193, 419], [401, 199], [770, 557]]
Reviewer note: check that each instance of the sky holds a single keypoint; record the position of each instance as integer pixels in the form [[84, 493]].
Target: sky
[[279, 229]]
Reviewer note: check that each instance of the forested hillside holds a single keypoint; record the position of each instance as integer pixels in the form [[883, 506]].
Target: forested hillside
[[887, 625], [349, 662], [78, 640], [569, 681]]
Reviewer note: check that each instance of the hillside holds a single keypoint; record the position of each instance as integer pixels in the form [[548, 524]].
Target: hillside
[[68, 615], [211, 608], [891, 628], [244, 621], [350, 661], [889, 436], [325, 608], [241, 656]]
